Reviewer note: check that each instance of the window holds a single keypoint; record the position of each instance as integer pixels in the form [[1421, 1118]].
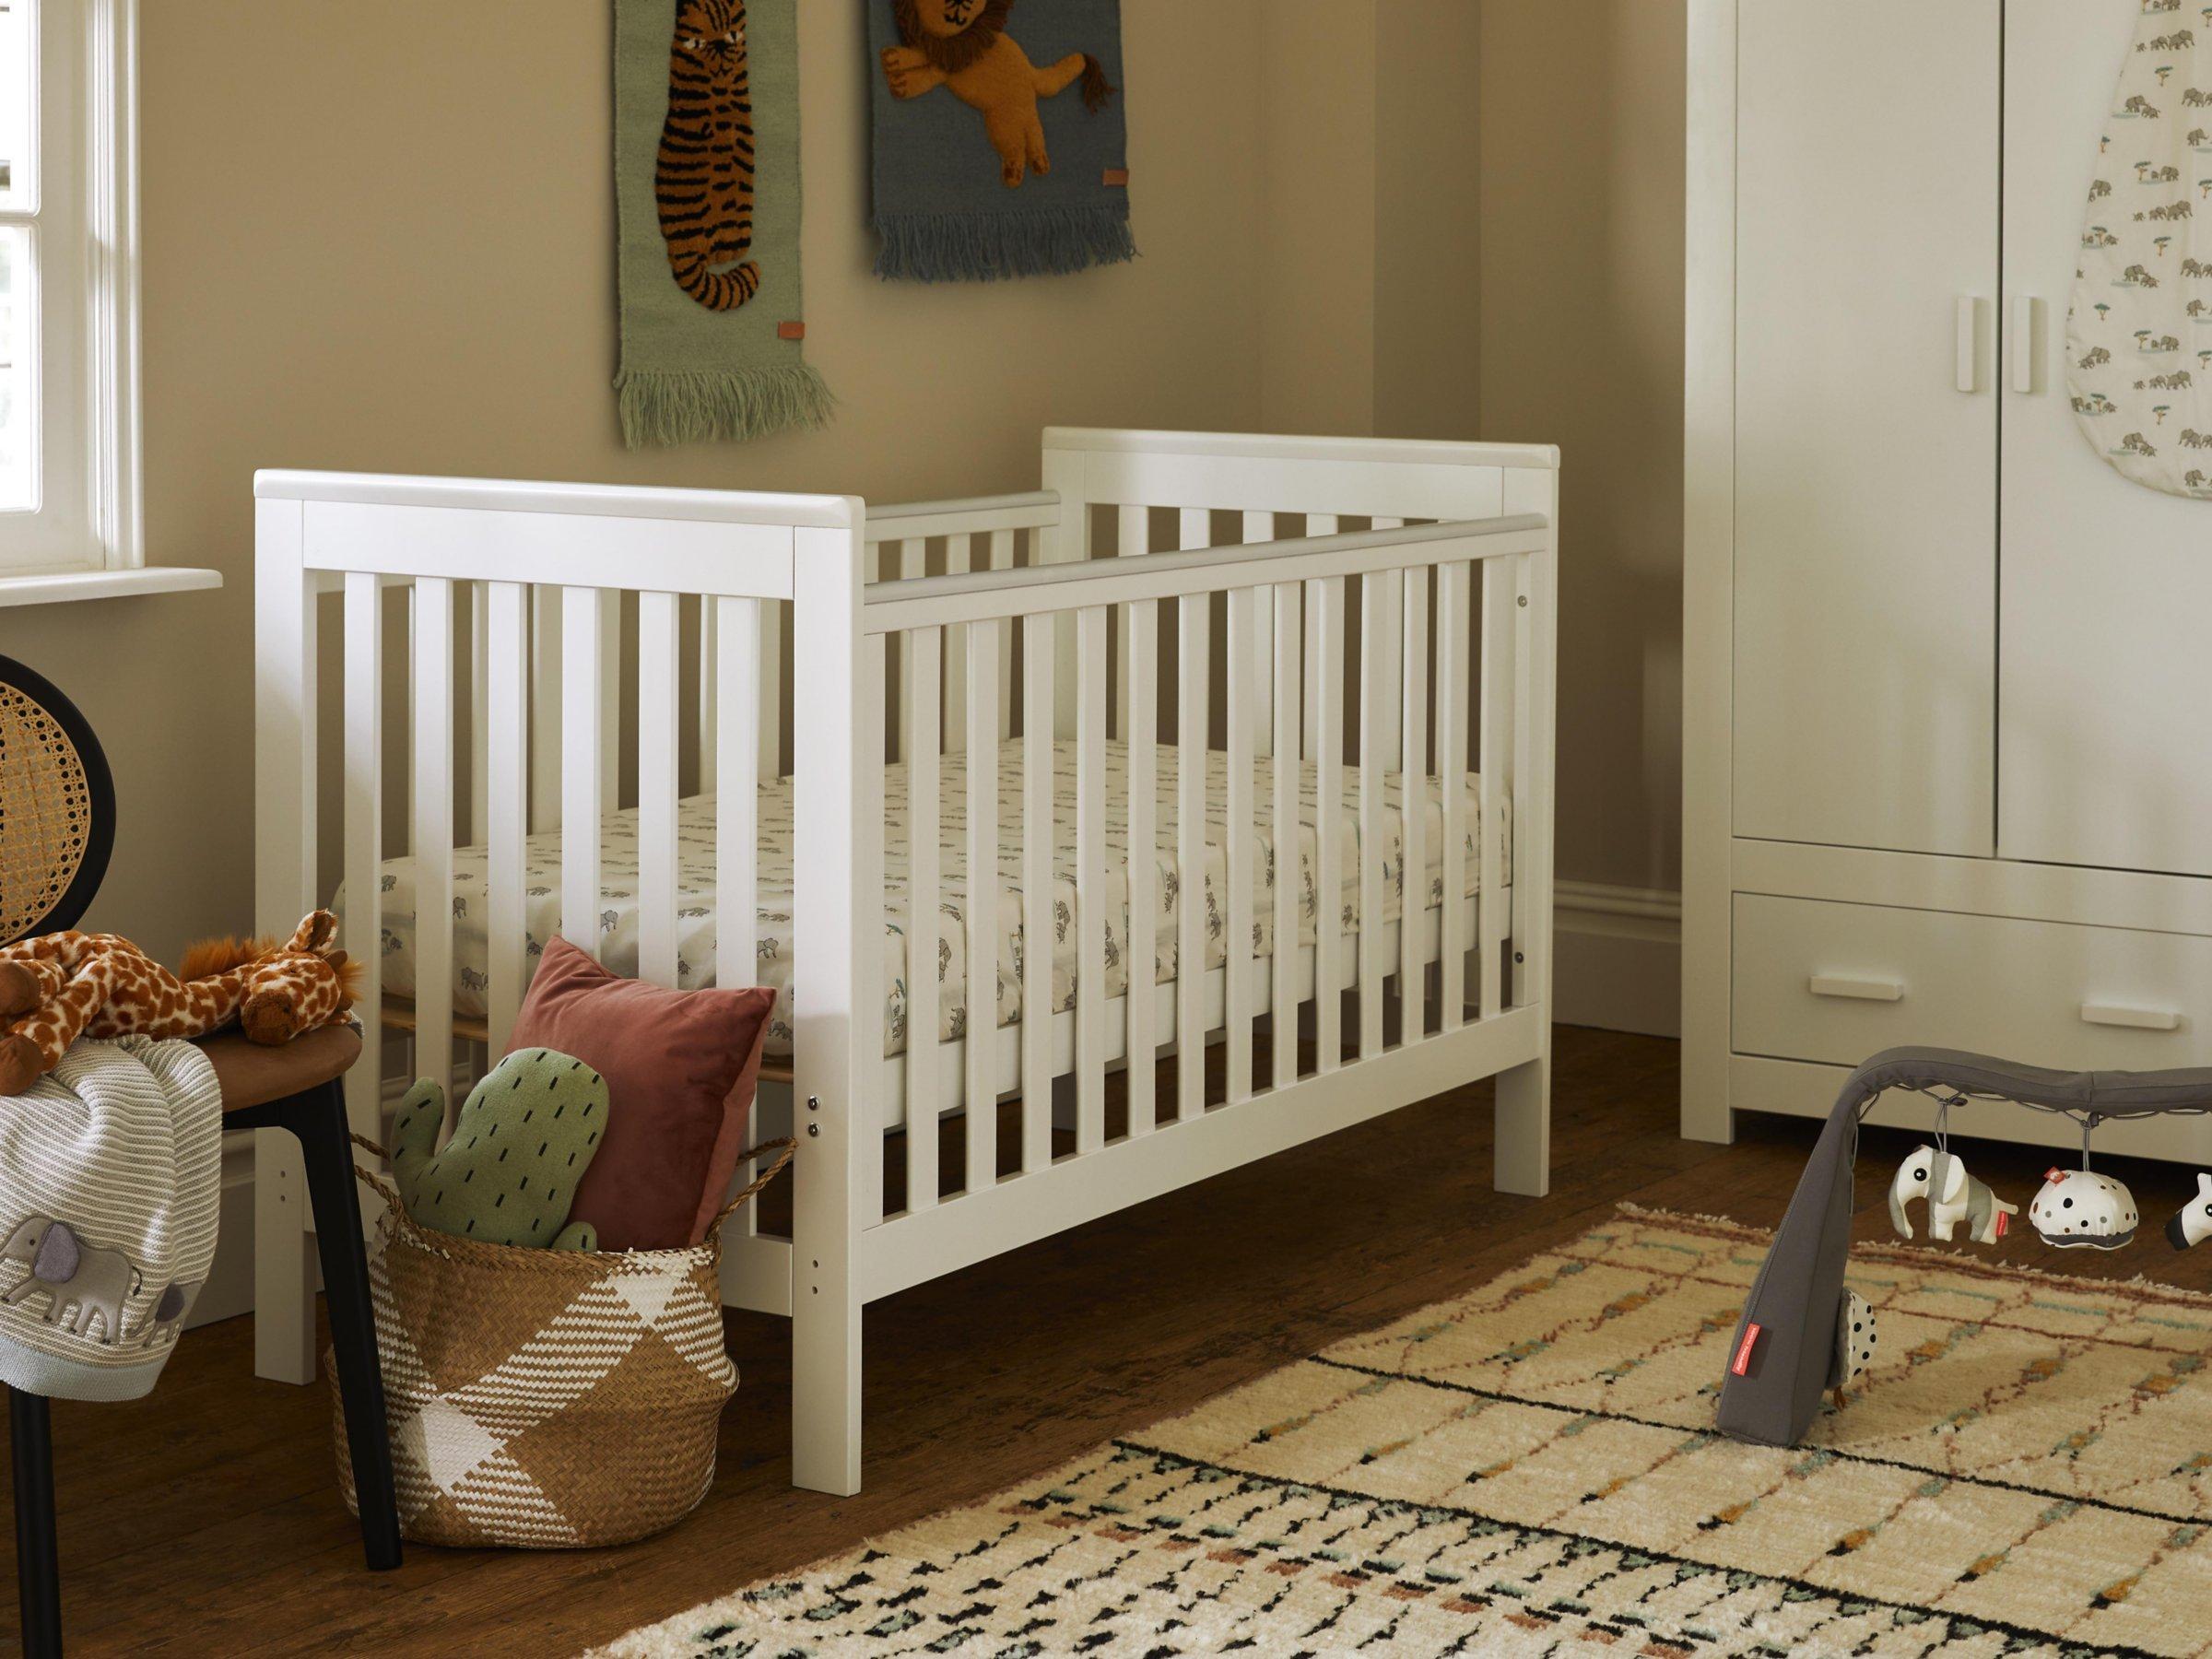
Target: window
[[69, 286]]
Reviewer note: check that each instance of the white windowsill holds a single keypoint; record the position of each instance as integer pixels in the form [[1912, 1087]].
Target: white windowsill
[[55, 588]]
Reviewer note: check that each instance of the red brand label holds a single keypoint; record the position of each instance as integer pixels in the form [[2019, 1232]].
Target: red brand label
[[2054, 1174], [791, 331], [2003, 1221], [1116, 176], [1743, 1354]]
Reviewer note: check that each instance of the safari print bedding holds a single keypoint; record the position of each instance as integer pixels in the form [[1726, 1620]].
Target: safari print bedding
[[618, 918]]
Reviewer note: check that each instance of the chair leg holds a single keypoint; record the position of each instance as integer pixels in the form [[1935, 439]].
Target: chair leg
[[37, 1562], [318, 1119]]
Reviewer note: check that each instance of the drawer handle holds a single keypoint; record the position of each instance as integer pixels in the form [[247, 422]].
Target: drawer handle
[[1862, 990], [2138, 1019]]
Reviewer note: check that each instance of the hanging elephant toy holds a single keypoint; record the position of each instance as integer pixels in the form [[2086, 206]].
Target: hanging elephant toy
[[1953, 1196]]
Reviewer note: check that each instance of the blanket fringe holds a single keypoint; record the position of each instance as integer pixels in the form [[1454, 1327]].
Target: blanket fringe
[[668, 406], [987, 247]]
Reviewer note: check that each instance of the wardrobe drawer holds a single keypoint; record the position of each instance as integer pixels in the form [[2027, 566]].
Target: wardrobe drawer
[[1836, 982]]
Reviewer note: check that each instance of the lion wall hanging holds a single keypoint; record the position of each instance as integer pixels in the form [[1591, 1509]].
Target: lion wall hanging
[[1000, 145]]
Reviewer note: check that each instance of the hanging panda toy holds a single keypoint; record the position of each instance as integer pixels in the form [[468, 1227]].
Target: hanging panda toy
[[2080, 1209]]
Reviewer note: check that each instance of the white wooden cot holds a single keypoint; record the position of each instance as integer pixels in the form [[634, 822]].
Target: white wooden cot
[[583, 646]]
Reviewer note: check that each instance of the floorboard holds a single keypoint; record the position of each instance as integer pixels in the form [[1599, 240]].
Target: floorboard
[[207, 1520]]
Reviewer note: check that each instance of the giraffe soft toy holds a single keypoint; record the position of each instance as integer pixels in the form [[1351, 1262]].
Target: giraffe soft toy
[[60, 986]]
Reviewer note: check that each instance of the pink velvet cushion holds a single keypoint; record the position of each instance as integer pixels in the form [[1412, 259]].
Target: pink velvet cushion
[[680, 1067]]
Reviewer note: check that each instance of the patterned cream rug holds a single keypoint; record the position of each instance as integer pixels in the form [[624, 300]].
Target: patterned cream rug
[[1530, 1470]]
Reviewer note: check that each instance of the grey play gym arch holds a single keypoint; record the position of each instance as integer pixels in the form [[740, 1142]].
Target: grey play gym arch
[[1773, 1399]]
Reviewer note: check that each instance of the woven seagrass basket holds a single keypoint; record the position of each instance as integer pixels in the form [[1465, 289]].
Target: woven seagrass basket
[[546, 1399]]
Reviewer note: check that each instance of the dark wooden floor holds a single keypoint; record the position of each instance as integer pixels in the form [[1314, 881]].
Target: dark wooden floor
[[204, 1520]]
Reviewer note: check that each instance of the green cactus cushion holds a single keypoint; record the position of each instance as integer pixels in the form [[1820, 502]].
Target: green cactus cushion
[[522, 1140]]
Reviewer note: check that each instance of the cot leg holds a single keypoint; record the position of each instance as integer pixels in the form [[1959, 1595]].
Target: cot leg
[[284, 1282], [825, 1374], [1523, 1150]]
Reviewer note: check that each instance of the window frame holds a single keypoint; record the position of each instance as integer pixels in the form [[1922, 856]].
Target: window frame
[[83, 235]]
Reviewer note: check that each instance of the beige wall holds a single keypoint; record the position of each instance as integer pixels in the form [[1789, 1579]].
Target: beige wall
[[1581, 108]]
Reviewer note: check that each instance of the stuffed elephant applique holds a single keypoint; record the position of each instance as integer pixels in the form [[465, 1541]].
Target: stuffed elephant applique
[[87, 1280], [166, 1319], [520, 1141]]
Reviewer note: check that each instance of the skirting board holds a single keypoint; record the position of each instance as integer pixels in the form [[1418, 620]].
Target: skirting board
[[1616, 958]]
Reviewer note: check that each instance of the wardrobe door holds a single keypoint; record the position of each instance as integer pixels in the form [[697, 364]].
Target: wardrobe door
[[2105, 736], [1865, 511]]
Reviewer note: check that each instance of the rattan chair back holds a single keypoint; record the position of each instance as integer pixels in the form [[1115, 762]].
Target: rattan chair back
[[57, 808]]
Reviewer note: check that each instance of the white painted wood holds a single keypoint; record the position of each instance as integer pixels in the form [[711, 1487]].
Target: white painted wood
[[1286, 484], [2052, 976], [1140, 627], [1493, 902], [837, 871], [1853, 725], [1191, 685], [581, 758], [1856, 987], [432, 828], [364, 827], [2104, 677], [1282, 982], [988, 515], [709, 710], [1091, 880], [658, 657], [1324, 654], [923, 650], [1066, 541], [1037, 925], [2134, 1018], [1413, 772], [287, 697], [1708, 564], [582, 502], [506, 694], [737, 634], [1453, 623], [1227, 451], [547, 774], [1375, 755], [981, 901], [479, 717], [1237, 961]]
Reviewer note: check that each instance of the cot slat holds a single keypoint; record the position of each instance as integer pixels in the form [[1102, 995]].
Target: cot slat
[[610, 703], [922, 648], [1190, 856], [1453, 598], [737, 634], [1037, 932], [982, 907], [1090, 878], [479, 714], [1259, 527], [1287, 768], [658, 654], [1236, 854], [710, 713], [547, 774], [1325, 683], [871, 1000], [1413, 811], [1317, 524], [1374, 691], [364, 817], [581, 759], [1140, 939], [432, 836], [507, 718], [1002, 558], [1496, 717]]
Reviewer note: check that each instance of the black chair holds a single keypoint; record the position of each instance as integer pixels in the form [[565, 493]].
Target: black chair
[[57, 829]]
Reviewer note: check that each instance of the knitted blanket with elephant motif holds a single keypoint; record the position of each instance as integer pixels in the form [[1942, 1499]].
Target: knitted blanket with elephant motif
[[111, 1183]]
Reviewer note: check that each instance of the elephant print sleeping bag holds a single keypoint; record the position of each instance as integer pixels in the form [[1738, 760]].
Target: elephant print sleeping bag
[[2140, 332]]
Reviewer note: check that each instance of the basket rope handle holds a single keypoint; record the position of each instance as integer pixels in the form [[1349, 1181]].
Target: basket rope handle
[[783, 1146]]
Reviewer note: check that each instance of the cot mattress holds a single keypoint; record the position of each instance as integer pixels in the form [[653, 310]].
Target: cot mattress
[[617, 916]]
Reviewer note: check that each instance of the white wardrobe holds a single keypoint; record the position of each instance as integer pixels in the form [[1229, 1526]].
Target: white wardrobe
[[1948, 676]]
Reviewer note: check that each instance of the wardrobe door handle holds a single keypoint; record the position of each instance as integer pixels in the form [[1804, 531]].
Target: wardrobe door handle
[[1968, 328], [2138, 1019], [2023, 343], [1856, 990]]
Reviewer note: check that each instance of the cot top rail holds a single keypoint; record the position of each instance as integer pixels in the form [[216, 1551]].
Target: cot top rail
[[910, 520], [927, 601], [1258, 446], [602, 500]]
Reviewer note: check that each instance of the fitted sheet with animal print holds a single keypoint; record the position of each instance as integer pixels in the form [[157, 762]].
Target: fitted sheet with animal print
[[618, 917]]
